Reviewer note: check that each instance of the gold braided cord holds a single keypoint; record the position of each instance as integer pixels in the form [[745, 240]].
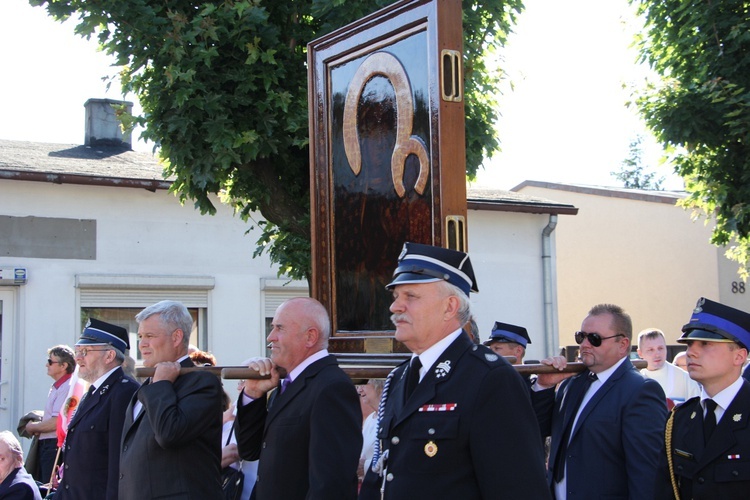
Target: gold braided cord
[[668, 449]]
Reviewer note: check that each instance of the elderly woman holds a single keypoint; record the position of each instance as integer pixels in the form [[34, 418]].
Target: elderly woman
[[15, 482]]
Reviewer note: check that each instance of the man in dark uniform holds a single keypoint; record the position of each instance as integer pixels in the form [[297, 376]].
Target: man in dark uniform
[[92, 447], [509, 340], [707, 437], [437, 411]]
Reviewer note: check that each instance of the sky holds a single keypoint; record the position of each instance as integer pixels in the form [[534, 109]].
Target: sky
[[563, 109]]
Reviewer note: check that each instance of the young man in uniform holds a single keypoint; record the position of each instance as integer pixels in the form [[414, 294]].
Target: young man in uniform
[[708, 438]]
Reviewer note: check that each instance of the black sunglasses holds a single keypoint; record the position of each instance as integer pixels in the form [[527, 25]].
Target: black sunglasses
[[594, 338], [52, 362]]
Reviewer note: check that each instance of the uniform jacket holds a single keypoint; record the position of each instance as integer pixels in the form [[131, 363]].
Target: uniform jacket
[[173, 447], [92, 446], [19, 485], [468, 431], [614, 448], [308, 439], [719, 470]]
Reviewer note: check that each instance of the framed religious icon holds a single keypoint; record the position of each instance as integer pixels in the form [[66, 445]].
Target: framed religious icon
[[387, 158]]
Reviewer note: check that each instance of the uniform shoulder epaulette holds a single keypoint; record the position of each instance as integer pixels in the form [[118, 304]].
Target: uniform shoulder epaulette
[[686, 403], [486, 354]]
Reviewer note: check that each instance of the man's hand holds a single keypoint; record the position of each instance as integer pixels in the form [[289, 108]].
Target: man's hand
[[55, 480], [548, 380], [31, 428], [258, 388], [166, 370]]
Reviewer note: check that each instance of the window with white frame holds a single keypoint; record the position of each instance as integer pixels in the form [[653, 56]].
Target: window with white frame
[[275, 292], [117, 299]]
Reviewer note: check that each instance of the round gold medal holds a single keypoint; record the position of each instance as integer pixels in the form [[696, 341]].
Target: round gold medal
[[430, 449]]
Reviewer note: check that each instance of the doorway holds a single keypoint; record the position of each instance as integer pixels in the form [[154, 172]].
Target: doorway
[[9, 383]]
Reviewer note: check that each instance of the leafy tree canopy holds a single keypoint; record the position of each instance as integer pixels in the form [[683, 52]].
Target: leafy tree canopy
[[700, 110], [223, 86]]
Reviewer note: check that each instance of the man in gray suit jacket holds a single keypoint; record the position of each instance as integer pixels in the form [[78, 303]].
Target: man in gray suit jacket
[[171, 440], [308, 432]]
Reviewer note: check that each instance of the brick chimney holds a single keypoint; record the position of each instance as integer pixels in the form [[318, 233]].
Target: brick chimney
[[102, 126]]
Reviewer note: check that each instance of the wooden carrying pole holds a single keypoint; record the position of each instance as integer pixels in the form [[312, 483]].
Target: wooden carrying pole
[[361, 372]]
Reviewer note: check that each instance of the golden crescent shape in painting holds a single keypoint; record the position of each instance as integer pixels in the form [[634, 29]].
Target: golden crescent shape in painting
[[386, 65]]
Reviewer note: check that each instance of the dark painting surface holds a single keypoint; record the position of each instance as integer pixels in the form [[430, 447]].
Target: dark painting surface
[[378, 204]]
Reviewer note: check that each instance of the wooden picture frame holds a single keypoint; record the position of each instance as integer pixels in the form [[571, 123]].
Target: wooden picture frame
[[387, 155]]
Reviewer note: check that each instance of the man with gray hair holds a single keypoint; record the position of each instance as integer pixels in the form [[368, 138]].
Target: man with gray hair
[[437, 413], [171, 439], [92, 447], [308, 431]]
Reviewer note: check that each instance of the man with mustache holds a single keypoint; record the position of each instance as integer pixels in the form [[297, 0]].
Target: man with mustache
[[92, 446], [439, 412], [607, 422]]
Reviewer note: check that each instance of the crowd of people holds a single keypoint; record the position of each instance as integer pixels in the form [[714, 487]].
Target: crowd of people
[[455, 421]]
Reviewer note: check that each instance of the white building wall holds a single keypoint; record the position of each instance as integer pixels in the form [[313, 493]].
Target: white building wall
[[645, 256], [138, 233], [148, 234], [506, 252]]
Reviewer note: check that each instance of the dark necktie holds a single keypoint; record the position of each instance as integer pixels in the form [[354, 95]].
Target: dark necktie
[[88, 394], [412, 377], [285, 383], [563, 450], [709, 421]]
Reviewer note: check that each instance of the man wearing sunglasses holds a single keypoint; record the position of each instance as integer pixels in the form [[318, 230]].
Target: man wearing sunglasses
[[60, 366], [707, 438], [608, 421]]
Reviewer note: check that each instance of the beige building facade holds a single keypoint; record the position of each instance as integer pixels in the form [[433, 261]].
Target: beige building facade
[[637, 249]]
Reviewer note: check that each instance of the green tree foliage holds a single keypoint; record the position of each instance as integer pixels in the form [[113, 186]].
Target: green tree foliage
[[223, 87], [633, 174], [700, 110]]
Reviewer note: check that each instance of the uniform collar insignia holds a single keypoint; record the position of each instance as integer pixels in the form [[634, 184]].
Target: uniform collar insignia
[[737, 417], [491, 356], [104, 389], [443, 368], [692, 416]]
